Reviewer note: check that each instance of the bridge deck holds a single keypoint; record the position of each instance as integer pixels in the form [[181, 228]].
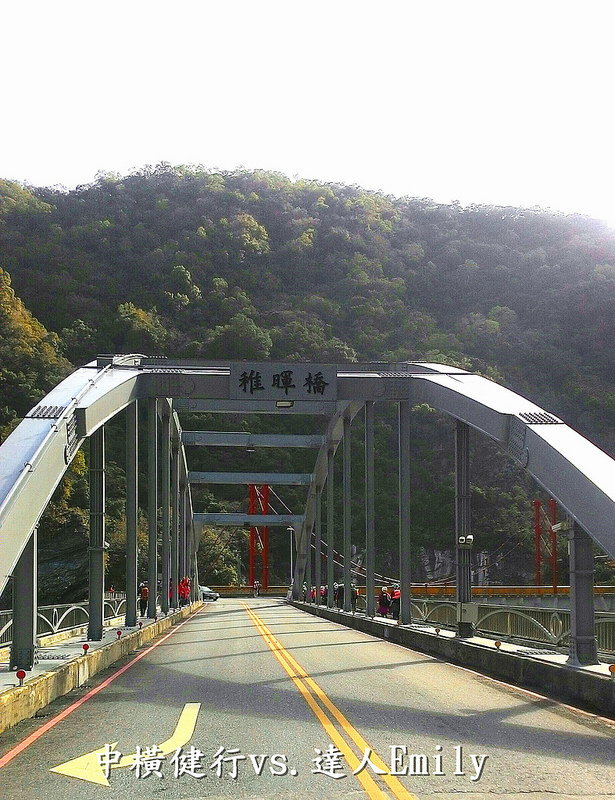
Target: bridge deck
[[271, 680]]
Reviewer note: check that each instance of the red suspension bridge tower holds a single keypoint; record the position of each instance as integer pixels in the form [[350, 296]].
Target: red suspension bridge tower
[[258, 503]]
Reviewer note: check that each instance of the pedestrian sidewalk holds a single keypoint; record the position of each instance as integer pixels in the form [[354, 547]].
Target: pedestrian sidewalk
[[57, 649], [530, 651], [64, 665], [533, 667]]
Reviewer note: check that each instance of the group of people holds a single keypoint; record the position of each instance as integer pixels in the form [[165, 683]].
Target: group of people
[[388, 598], [338, 594], [184, 587], [388, 601]]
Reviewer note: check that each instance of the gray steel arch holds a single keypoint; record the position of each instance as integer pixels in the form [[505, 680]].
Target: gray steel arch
[[37, 453], [577, 473], [35, 456]]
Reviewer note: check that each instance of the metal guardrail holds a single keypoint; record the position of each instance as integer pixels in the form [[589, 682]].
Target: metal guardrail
[[545, 625], [63, 617], [6, 624], [548, 626]]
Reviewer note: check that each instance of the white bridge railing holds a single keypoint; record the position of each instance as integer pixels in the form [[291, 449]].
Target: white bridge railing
[[543, 625], [62, 617]]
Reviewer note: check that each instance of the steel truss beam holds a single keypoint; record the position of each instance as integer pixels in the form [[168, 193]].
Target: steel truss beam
[[231, 439], [276, 478], [271, 520]]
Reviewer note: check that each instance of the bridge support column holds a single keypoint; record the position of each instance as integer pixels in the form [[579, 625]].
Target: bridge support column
[[330, 525], [300, 557], [265, 535], [252, 536], [194, 588], [175, 527], [404, 512], [308, 567], [132, 504], [583, 646], [318, 550], [370, 538], [25, 579], [166, 508], [183, 567], [347, 515], [463, 523], [152, 503], [97, 535], [187, 538]]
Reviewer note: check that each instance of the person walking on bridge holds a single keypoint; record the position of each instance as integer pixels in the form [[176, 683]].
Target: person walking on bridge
[[143, 597], [384, 602]]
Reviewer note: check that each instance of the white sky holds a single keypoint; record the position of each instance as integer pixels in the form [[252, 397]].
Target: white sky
[[498, 102]]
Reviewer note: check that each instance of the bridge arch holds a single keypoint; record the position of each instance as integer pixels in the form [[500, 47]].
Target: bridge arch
[[37, 453]]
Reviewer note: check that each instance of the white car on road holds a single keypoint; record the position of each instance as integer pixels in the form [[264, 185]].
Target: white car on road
[[208, 594]]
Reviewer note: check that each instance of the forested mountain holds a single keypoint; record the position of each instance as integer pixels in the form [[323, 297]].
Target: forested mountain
[[188, 262]]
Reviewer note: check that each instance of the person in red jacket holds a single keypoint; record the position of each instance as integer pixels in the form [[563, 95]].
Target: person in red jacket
[[181, 591]]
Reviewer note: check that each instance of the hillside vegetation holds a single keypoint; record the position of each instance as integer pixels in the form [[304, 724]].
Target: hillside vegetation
[[187, 262]]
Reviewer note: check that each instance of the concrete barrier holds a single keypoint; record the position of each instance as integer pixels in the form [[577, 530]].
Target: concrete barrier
[[577, 686], [22, 702]]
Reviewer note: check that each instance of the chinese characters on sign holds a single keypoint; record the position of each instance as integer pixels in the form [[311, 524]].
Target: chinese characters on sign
[[284, 381], [150, 761]]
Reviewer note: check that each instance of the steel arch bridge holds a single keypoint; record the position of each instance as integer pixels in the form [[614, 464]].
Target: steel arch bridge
[[33, 459]]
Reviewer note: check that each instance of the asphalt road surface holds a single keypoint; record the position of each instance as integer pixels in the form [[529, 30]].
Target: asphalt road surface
[[255, 699]]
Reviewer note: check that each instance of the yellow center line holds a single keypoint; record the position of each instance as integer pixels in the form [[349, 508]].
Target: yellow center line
[[368, 783], [294, 669], [392, 782]]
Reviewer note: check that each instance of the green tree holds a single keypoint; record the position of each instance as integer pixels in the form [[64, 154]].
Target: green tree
[[31, 362], [242, 338], [140, 331]]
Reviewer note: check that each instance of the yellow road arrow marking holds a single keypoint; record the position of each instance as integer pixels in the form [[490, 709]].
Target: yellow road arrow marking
[[88, 768], [181, 735]]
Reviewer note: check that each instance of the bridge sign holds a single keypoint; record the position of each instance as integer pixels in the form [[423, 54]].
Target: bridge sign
[[283, 381]]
